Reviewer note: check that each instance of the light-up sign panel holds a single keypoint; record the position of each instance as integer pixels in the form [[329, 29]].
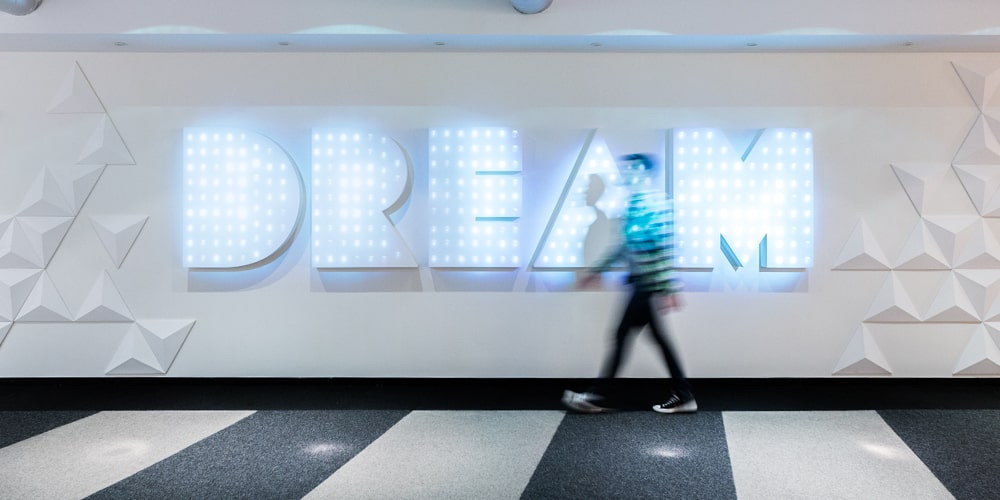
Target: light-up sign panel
[[475, 197], [740, 193], [578, 232], [242, 198], [358, 180]]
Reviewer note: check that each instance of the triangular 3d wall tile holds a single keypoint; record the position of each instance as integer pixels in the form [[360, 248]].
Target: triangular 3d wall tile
[[861, 252], [981, 146], [982, 286], [982, 184], [862, 356], [118, 233], [77, 182], [921, 251], [134, 356], [15, 286], [951, 304], [16, 249], [919, 180], [165, 337], [76, 95], [981, 81], [104, 303], [977, 248], [150, 347], [44, 304], [106, 147], [892, 304], [950, 232], [45, 198], [981, 355], [45, 234]]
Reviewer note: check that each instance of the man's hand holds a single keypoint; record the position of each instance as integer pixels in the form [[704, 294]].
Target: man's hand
[[669, 302], [587, 280]]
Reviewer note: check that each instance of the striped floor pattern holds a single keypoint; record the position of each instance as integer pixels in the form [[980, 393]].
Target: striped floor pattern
[[472, 454]]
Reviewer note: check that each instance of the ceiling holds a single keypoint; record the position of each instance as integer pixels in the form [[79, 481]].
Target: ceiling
[[494, 25]]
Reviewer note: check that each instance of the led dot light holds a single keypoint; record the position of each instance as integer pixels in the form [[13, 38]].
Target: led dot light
[[359, 178], [746, 191], [475, 197], [595, 187], [242, 198]]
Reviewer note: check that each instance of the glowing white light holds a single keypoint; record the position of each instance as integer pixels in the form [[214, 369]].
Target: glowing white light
[[758, 197], [358, 188], [480, 195], [217, 207]]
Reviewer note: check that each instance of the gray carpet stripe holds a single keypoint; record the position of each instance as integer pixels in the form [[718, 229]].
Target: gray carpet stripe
[[271, 454], [959, 446], [635, 455], [20, 425]]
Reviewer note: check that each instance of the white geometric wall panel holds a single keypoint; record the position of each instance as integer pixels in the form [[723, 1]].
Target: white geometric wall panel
[[953, 234], [77, 182], [45, 198], [737, 193], [242, 198], [861, 252], [982, 82], [952, 304], [105, 146], [564, 242], [979, 248], [921, 251], [359, 180], [149, 347], [44, 304], [982, 184], [104, 303], [76, 95], [981, 355], [4, 328], [474, 197], [118, 233], [918, 179], [15, 286], [981, 146], [862, 356], [982, 286], [30, 242], [893, 304]]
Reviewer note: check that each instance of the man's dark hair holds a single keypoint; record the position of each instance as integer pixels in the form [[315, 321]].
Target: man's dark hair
[[647, 161]]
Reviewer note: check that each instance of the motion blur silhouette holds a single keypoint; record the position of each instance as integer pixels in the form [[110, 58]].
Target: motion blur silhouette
[[646, 248]]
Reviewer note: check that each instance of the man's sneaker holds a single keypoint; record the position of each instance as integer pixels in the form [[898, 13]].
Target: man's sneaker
[[676, 405], [583, 402]]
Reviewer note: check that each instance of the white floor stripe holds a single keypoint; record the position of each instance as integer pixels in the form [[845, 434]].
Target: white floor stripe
[[828, 455], [448, 454], [85, 456]]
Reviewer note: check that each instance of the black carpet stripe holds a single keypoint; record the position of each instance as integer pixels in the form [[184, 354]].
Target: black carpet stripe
[[959, 446], [268, 455], [636, 455], [20, 425]]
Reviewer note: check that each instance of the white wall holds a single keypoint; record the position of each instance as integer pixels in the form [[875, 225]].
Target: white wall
[[867, 111]]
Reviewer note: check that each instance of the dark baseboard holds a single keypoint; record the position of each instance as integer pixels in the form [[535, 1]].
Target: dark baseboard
[[719, 394]]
